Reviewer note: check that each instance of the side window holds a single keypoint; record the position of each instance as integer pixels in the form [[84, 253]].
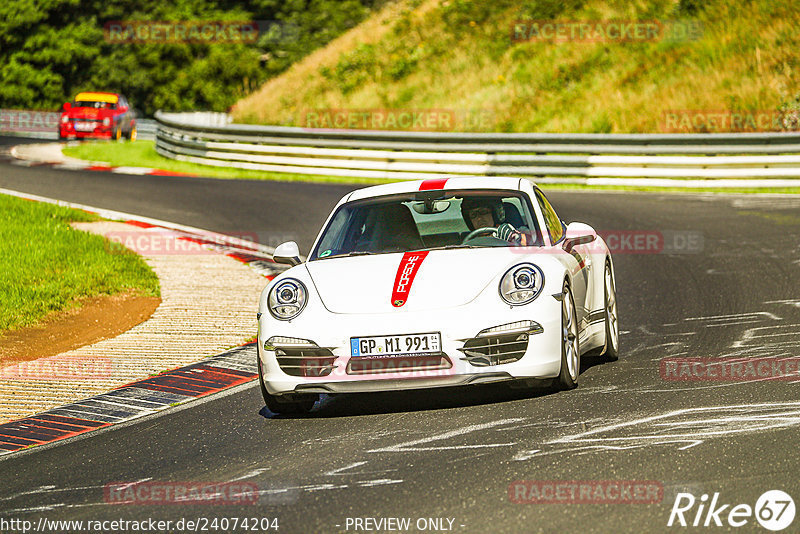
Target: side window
[[554, 226]]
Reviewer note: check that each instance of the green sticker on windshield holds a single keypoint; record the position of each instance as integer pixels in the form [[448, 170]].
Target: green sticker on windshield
[[326, 253]]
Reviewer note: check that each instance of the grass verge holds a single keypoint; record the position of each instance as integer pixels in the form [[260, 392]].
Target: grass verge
[[48, 266], [143, 154], [712, 58]]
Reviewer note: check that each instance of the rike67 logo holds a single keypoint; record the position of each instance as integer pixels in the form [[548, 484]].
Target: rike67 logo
[[774, 510]]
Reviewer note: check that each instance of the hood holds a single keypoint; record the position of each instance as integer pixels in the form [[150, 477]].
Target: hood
[[88, 113], [442, 279]]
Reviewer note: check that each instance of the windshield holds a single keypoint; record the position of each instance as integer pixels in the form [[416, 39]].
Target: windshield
[[94, 104], [429, 220]]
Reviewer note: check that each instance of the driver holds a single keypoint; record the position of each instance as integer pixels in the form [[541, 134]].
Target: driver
[[490, 213]]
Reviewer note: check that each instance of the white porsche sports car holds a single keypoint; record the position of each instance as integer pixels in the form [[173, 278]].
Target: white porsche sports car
[[436, 283]]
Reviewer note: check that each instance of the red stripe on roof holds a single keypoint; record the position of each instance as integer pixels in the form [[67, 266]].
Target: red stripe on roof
[[428, 185]]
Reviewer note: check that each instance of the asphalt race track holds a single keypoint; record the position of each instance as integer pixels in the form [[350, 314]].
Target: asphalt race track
[[723, 283]]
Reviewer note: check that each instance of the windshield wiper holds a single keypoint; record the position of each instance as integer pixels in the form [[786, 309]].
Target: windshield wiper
[[450, 247], [359, 253]]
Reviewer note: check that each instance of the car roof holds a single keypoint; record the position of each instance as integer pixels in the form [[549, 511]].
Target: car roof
[[477, 182], [112, 98]]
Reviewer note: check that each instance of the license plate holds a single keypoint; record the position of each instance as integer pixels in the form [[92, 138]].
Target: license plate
[[84, 126], [399, 345]]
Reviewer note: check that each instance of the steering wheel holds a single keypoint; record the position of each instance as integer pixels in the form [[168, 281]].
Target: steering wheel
[[479, 231]]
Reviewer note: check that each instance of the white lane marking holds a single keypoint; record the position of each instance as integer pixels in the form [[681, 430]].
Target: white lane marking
[[379, 482], [705, 386], [122, 487], [692, 444], [49, 508], [40, 489], [739, 417], [733, 316], [673, 428], [751, 333], [307, 487], [411, 445], [339, 470], [790, 302], [731, 323], [250, 474]]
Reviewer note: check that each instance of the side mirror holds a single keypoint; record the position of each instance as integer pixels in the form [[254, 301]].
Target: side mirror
[[67, 106], [579, 234], [287, 253]]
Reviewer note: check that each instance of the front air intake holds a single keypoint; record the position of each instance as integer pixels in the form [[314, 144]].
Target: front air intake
[[301, 357], [500, 344]]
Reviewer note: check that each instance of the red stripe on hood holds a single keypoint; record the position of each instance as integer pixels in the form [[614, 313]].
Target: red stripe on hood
[[428, 185], [406, 272]]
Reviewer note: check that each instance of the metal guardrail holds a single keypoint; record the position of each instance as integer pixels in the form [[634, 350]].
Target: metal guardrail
[[146, 129], [211, 139]]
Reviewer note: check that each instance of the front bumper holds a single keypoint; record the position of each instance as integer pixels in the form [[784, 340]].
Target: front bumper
[[541, 359], [101, 132]]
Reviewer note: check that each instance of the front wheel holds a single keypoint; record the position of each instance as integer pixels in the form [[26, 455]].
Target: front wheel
[[132, 134], [570, 347], [294, 405]]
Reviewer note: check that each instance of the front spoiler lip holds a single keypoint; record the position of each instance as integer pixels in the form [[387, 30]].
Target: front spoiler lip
[[367, 386], [86, 135]]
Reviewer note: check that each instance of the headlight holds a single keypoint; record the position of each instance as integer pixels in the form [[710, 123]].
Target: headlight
[[64, 119], [106, 122], [521, 284], [287, 299]]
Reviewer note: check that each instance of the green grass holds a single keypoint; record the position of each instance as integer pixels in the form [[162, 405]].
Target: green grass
[[48, 266], [459, 55], [143, 154]]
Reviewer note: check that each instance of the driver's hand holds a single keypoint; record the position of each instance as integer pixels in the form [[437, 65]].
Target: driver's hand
[[508, 233]]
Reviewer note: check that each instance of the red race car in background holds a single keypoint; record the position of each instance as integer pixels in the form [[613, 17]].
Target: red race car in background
[[97, 115]]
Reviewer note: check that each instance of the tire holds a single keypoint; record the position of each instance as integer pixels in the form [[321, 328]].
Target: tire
[[132, 134], [118, 133], [298, 405], [570, 347], [611, 351]]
